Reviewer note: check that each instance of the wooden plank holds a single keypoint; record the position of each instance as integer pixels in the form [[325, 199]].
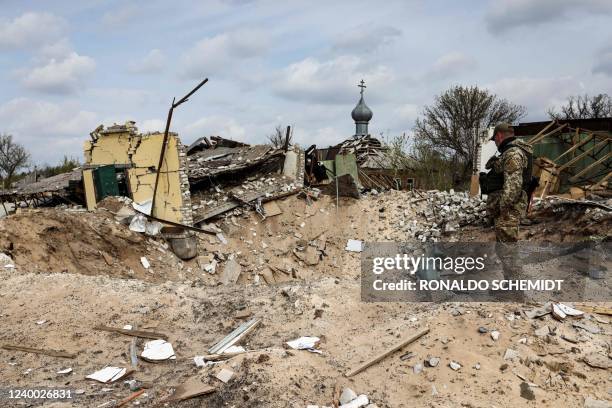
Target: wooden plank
[[388, 352], [590, 167], [574, 147], [544, 130], [134, 333], [48, 352], [190, 389], [537, 138], [582, 155], [601, 182], [596, 309]]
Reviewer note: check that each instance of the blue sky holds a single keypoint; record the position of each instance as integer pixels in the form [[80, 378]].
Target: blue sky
[[66, 67]]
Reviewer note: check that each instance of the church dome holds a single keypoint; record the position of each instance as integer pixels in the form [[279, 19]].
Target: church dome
[[361, 112]]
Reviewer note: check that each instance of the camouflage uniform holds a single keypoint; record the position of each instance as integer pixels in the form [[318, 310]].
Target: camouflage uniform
[[507, 206]]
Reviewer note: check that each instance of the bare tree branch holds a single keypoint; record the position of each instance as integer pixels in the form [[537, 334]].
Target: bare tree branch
[[13, 157], [449, 125]]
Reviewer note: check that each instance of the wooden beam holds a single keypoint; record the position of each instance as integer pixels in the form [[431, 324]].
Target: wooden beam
[[543, 130], [52, 353], [540, 136], [574, 147], [600, 182], [386, 353], [134, 333], [581, 156], [590, 167]]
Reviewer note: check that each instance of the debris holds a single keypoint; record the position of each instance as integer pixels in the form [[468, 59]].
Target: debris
[[454, 365], [305, 343], [387, 352], [145, 262], [598, 360], [190, 389], [432, 361], [231, 272], [597, 309], [347, 396], [108, 374], [65, 371], [540, 311], [542, 331], [224, 375], [561, 311], [510, 354], [52, 353], [354, 245], [135, 333], [130, 398], [495, 335], [591, 328], [418, 367], [361, 401], [234, 337], [527, 392], [41, 322], [158, 350], [483, 330], [271, 209], [6, 261], [593, 403]]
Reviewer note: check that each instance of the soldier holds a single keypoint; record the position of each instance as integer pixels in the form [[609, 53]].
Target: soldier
[[508, 184]]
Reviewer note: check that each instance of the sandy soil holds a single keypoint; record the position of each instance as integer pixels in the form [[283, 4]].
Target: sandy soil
[[315, 294]]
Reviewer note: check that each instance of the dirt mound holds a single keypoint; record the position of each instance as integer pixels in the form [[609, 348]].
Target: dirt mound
[[88, 243]]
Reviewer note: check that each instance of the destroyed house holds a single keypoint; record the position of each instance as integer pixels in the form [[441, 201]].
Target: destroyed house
[[225, 174], [572, 156], [120, 161]]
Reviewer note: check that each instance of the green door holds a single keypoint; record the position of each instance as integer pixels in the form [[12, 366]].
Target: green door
[[105, 180]]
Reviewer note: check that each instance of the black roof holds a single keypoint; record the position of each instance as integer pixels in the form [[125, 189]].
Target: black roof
[[595, 125]]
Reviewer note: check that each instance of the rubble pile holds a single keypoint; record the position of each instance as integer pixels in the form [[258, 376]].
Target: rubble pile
[[444, 212]]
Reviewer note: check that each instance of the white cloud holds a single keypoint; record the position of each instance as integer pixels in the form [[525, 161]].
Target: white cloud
[[366, 38], [505, 15], [329, 82], [47, 130], [59, 75], [451, 64], [152, 63], [217, 55], [214, 125], [537, 94], [30, 30]]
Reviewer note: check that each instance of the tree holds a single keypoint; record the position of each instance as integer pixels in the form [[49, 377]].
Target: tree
[[450, 126], [13, 157], [277, 139], [584, 107]]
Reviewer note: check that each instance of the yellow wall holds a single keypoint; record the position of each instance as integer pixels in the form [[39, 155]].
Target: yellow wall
[[141, 154]]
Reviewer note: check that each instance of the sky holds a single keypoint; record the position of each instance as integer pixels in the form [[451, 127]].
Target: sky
[[67, 67]]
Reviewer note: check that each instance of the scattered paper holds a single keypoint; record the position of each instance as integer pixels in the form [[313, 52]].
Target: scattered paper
[[65, 371], [127, 327], [354, 245], [360, 401], [41, 322], [108, 374], [305, 343], [158, 350]]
